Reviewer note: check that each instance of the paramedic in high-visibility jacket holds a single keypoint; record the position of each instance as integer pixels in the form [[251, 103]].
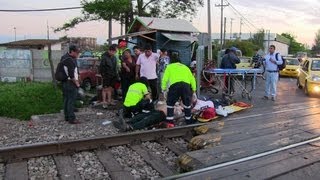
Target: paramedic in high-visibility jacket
[[180, 83], [138, 99]]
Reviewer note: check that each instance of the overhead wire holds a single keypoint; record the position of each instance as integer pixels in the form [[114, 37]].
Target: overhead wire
[[39, 10], [242, 16]]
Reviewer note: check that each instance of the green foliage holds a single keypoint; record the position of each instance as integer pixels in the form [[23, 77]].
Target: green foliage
[[21, 100], [247, 47], [124, 10], [294, 46], [316, 46], [258, 39]]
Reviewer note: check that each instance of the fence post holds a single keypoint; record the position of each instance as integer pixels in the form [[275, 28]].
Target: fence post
[[199, 66]]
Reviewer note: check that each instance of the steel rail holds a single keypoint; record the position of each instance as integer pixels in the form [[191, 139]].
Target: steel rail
[[248, 158], [17, 153]]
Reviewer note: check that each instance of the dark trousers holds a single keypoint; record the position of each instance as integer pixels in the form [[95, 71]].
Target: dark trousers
[[70, 92], [176, 91], [145, 105], [125, 83], [147, 119], [226, 83], [153, 83]]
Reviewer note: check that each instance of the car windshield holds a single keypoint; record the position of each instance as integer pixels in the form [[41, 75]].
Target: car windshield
[[292, 62], [244, 60], [315, 65], [84, 63]]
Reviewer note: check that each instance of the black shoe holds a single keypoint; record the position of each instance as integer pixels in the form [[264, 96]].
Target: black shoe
[[74, 122], [122, 127], [191, 121], [117, 124]]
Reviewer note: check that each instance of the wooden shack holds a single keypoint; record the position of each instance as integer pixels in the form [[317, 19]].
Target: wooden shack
[[176, 35]]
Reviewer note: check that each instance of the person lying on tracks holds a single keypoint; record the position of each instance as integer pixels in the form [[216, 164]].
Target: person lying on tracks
[[141, 121], [138, 99]]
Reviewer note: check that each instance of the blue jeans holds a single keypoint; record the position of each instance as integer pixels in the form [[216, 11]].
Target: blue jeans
[[70, 92], [271, 83]]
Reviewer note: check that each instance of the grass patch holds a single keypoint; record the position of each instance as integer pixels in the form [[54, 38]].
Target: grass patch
[[23, 99]]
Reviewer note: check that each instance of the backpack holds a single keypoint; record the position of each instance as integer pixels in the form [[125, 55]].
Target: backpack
[[284, 62], [60, 74]]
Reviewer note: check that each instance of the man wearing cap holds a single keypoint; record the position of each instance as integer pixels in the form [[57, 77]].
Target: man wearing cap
[[180, 83], [71, 85], [229, 61]]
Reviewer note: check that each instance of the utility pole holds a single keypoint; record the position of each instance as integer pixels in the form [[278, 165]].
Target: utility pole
[[15, 33], [231, 28], [121, 28], [241, 23], [110, 32], [224, 31], [209, 32], [221, 25], [50, 59], [48, 35], [268, 38]]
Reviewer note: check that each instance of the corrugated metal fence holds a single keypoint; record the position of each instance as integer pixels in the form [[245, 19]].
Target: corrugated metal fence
[[18, 64]]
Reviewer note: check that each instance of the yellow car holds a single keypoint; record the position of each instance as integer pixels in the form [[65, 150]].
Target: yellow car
[[292, 68], [244, 63], [309, 76]]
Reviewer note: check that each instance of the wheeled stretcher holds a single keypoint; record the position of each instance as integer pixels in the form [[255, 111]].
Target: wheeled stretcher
[[233, 80]]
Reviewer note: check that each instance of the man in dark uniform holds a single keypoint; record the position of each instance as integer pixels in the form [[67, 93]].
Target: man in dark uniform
[[71, 85]]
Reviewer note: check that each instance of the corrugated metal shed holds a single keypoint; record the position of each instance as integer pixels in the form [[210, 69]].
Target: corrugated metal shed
[[176, 25], [180, 37]]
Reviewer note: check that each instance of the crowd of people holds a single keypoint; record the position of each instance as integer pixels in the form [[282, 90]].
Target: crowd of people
[[143, 75]]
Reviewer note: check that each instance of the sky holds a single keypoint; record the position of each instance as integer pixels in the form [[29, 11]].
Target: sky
[[300, 18]]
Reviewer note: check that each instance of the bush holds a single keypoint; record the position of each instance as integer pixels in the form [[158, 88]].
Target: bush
[[22, 100]]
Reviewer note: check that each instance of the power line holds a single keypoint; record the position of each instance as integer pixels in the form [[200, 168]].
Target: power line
[[242, 15], [245, 23], [37, 10]]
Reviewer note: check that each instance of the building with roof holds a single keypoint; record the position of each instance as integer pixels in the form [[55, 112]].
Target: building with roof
[[39, 44], [175, 35]]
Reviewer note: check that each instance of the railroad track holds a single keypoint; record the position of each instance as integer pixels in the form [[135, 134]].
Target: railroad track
[[15, 160]]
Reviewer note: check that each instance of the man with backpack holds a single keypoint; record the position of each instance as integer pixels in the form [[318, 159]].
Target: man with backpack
[[273, 63], [67, 73]]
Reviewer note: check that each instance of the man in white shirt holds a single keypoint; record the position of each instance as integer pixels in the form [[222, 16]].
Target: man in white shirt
[[272, 73], [147, 67]]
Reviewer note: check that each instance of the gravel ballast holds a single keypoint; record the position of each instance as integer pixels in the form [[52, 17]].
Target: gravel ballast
[[180, 142], [162, 152], [42, 168], [1, 171], [54, 128], [134, 163], [89, 167]]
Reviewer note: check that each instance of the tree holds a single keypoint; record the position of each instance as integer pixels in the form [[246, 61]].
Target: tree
[[258, 39], [294, 46], [316, 46], [123, 11], [247, 47]]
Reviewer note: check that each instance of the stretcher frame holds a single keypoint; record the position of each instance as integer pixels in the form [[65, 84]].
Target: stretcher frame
[[239, 77]]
